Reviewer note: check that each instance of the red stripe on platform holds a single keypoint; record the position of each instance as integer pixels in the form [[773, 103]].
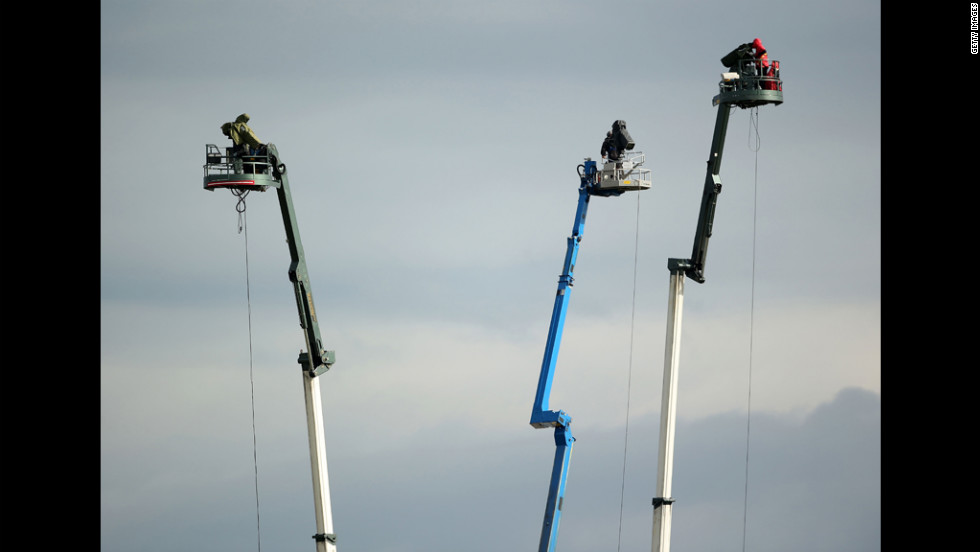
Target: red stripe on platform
[[233, 183]]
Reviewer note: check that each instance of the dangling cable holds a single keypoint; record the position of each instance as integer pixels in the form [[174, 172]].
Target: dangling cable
[[243, 224], [754, 124], [240, 207], [629, 377]]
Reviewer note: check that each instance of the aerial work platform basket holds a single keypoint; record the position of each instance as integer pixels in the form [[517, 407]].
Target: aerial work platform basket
[[749, 83], [625, 174], [237, 170]]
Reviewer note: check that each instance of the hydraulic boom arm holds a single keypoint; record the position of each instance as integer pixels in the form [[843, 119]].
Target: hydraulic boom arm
[[319, 360], [694, 267], [541, 416]]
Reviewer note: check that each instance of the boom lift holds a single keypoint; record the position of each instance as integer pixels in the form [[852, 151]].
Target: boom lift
[[243, 169], [751, 80], [616, 177]]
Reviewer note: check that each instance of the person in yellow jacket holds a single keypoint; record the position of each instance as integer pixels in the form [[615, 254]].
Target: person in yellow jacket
[[245, 140], [246, 147]]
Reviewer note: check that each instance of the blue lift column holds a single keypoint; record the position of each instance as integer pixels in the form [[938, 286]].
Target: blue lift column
[[541, 416]]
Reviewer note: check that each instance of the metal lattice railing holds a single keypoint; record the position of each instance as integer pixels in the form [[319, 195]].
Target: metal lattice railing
[[223, 164], [752, 74]]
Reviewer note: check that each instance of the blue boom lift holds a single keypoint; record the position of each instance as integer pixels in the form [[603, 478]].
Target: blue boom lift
[[619, 174]]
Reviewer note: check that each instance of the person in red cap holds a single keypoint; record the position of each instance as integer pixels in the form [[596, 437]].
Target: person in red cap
[[762, 63], [759, 52]]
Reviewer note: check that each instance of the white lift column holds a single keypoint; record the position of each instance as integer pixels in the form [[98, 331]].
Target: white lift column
[[326, 541], [668, 414]]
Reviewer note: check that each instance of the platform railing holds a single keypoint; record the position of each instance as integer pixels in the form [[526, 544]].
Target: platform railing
[[752, 75], [227, 163], [628, 168]]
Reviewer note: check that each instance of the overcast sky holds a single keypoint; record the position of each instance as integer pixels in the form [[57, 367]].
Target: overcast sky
[[432, 147]]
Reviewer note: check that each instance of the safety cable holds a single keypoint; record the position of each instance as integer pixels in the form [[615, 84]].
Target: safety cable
[[629, 377], [243, 224], [240, 208], [753, 125]]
